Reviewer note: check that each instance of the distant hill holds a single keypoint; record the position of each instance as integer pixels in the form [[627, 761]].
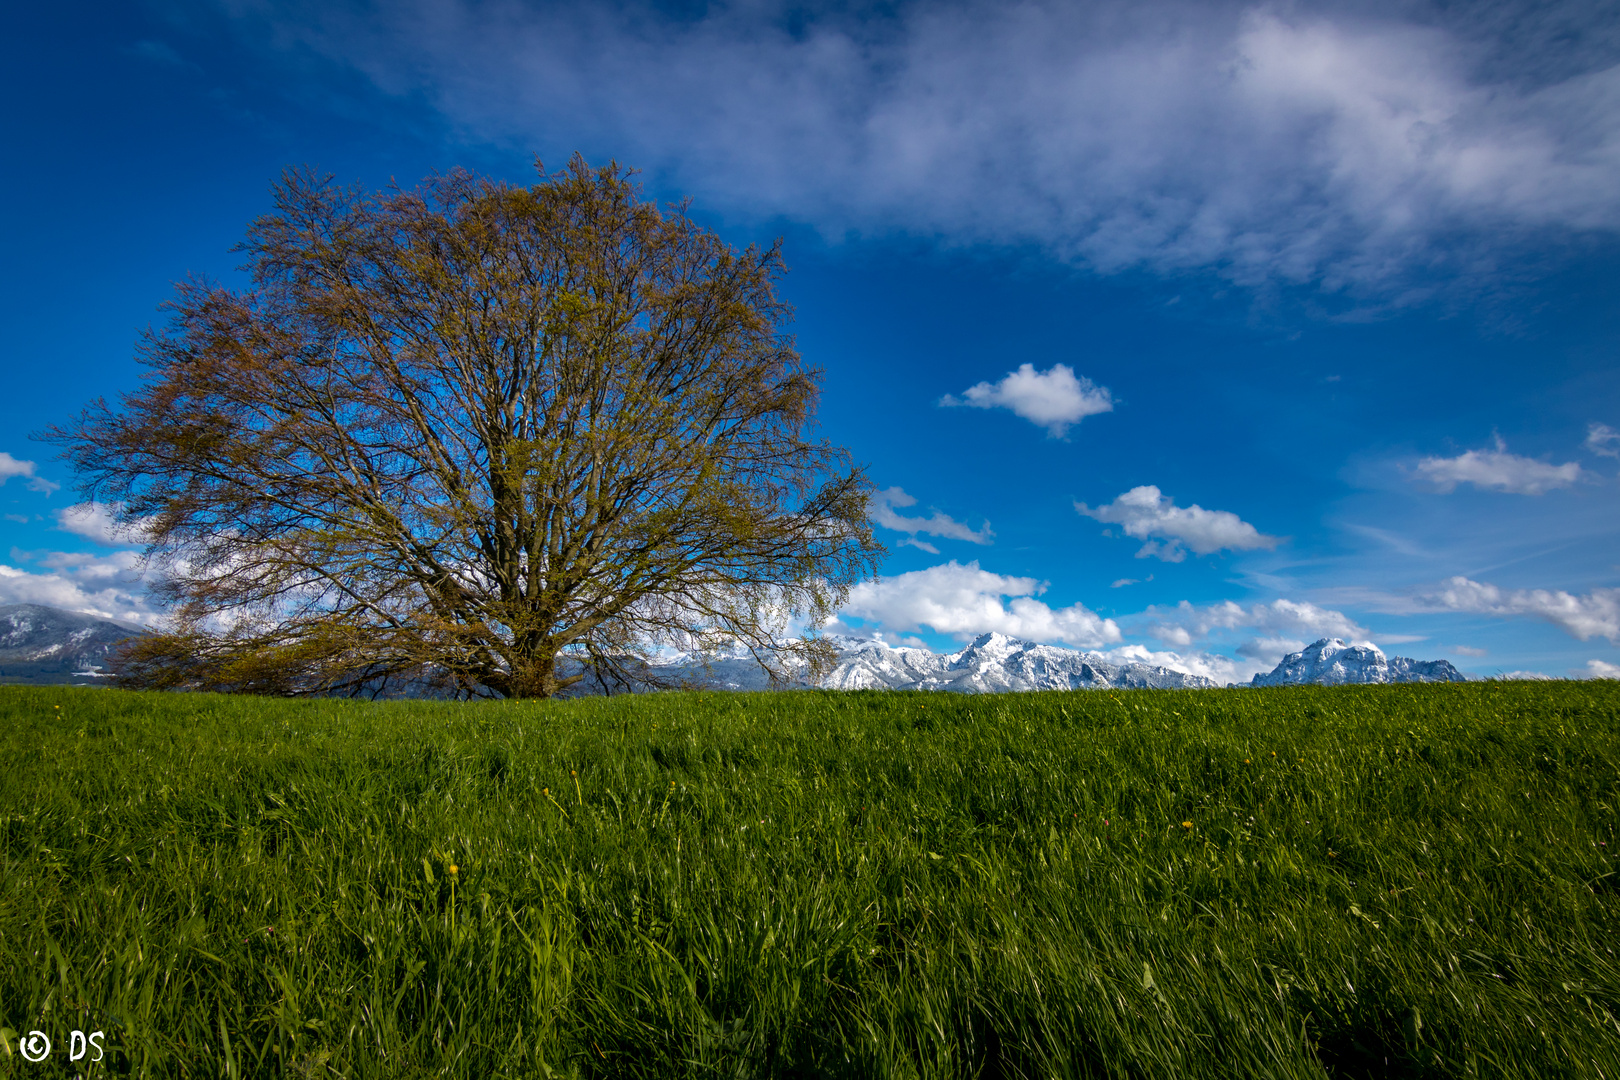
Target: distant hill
[[43, 645]]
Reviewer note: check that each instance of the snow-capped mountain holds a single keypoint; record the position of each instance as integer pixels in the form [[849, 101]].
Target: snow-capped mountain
[[994, 663], [1332, 661], [41, 644], [48, 645], [990, 663]]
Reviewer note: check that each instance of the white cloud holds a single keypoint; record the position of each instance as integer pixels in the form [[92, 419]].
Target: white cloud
[[122, 566], [1051, 399], [1498, 470], [1465, 650], [1603, 439], [1522, 676], [1267, 142], [92, 589], [1267, 651], [1283, 626], [1144, 512], [1602, 669], [98, 522], [10, 466], [1222, 669], [965, 601], [920, 545], [938, 524], [1594, 614]]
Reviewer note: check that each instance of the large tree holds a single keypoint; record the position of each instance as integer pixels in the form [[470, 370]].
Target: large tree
[[468, 431]]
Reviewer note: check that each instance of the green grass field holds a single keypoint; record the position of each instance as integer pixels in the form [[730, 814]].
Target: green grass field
[[1411, 881]]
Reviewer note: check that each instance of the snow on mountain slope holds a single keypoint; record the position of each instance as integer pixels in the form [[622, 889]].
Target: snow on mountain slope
[[43, 644], [40, 644], [989, 664], [1334, 662], [995, 663]]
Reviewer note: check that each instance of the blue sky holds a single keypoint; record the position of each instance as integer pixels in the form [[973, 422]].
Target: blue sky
[[1184, 331]]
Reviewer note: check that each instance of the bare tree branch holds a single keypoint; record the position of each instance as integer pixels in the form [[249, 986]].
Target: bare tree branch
[[462, 431]]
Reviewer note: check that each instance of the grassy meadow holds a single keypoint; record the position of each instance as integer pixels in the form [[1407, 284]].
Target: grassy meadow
[[1406, 881]]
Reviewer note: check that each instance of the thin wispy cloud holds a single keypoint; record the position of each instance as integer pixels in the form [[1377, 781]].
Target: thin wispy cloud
[[1171, 531], [1054, 399], [1603, 440], [1497, 470], [1327, 144], [157, 52], [27, 470], [883, 508], [1582, 616]]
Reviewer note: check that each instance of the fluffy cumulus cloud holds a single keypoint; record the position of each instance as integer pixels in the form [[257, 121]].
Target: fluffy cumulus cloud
[[112, 587], [10, 467], [1170, 530], [98, 522], [885, 502], [1326, 143], [1584, 616], [1281, 627], [965, 601], [1602, 669], [1052, 399], [111, 584], [1498, 470]]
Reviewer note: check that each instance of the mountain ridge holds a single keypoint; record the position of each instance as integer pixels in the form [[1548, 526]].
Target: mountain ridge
[[41, 644], [996, 663], [1336, 662]]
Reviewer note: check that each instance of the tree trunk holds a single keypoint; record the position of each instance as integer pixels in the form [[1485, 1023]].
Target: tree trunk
[[534, 677]]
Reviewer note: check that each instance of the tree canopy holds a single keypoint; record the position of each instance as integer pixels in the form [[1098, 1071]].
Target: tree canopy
[[460, 432]]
